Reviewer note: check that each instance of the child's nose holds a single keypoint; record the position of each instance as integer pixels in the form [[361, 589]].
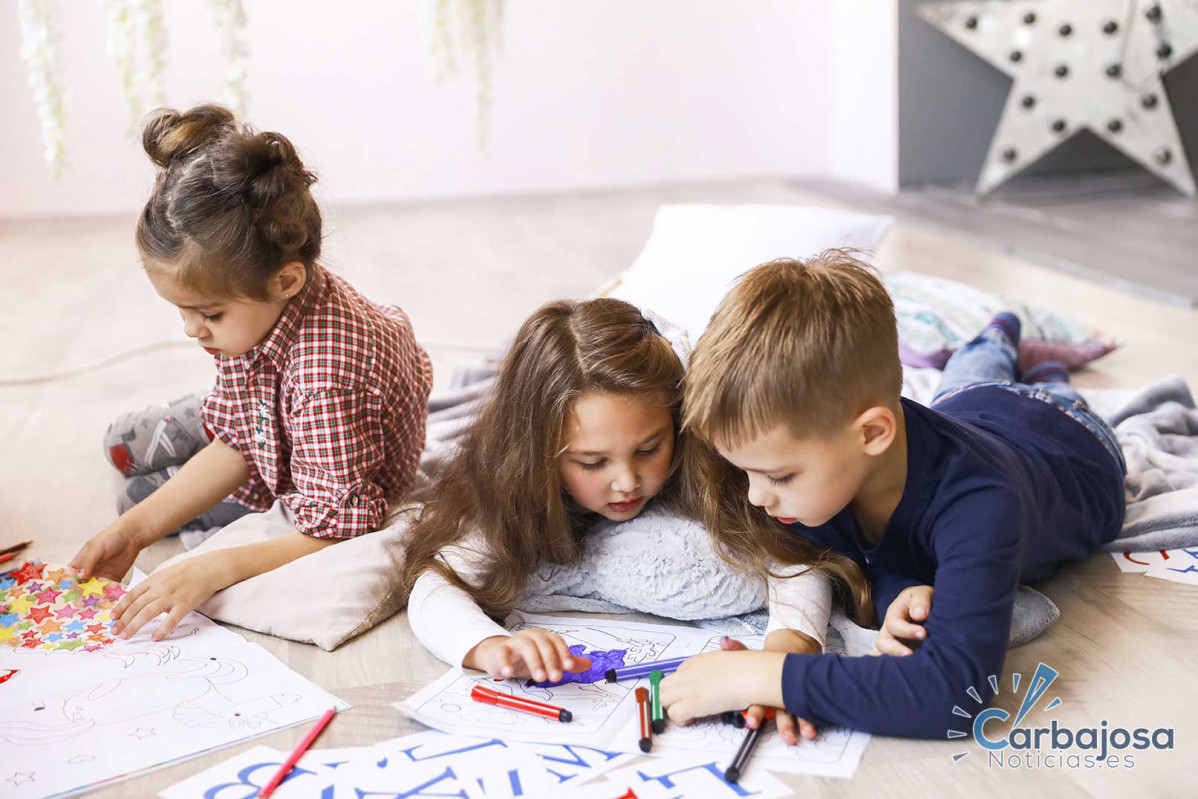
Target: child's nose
[[193, 328], [757, 496], [626, 479]]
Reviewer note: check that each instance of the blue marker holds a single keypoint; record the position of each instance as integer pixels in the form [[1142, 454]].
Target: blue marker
[[640, 670]]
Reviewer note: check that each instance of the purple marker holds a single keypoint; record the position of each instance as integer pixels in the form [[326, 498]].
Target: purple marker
[[639, 670]]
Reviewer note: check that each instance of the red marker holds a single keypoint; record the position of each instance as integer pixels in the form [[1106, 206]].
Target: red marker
[[642, 709], [487, 696]]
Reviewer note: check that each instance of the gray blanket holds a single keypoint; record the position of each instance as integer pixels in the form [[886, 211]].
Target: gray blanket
[[664, 565]]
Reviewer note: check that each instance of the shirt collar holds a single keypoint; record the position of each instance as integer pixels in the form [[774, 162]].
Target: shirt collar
[[282, 335]]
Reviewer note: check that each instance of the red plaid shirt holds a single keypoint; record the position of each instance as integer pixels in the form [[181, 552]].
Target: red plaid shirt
[[328, 411]]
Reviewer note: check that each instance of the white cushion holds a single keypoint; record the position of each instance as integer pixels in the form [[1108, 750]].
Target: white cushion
[[695, 252]]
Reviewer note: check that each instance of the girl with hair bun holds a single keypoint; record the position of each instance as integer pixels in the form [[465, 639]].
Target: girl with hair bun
[[316, 421]]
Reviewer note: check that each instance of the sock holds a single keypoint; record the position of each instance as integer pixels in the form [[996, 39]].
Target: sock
[[1009, 324], [1047, 372]]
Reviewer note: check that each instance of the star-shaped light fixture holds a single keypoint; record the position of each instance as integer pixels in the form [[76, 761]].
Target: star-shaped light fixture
[[1079, 64]]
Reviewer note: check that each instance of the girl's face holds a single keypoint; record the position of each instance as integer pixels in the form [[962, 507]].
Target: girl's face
[[221, 325], [617, 453]]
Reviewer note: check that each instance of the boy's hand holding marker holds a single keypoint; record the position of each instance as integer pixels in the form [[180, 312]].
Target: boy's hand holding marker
[[534, 653], [902, 630], [701, 686], [790, 728]]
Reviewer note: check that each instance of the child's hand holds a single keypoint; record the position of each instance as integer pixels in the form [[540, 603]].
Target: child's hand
[[109, 553], [778, 641], [902, 629], [717, 681], [175, 591], [534, 653]]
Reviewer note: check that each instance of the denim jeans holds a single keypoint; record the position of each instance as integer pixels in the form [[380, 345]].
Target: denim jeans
[[992, 360]]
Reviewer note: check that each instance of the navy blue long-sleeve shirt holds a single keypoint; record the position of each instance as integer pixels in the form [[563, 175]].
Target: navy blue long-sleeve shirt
[[1001, 488]]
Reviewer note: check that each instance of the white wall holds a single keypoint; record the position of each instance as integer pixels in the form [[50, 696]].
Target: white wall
[[587, 93], [865, 109]]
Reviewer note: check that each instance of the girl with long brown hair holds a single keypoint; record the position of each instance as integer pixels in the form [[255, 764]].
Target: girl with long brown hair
[[581, 423]]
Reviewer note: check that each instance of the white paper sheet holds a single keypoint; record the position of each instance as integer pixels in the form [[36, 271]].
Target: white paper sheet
[[1177, 565], [72, 721], [605, 715]]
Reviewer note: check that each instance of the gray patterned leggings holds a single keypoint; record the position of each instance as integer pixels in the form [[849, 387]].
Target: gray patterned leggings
[[149, 446]]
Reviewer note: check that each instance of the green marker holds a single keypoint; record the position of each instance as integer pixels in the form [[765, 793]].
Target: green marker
[[656, 713]]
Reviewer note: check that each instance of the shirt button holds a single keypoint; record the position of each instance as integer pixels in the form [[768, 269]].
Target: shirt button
[[353, 500]]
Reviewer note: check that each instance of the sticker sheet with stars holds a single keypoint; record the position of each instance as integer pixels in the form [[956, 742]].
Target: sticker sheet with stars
[[47, 608]]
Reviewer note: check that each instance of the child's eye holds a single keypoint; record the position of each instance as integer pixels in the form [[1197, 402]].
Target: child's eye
[[213, 318], [781, 481], [592, 466], [649, 452]]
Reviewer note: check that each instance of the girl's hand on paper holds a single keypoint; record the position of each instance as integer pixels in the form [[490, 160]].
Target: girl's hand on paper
[[902, 629], [534, 653], [175, 591], [789, 727]]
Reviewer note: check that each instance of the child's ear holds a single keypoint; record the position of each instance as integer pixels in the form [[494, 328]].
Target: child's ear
[[290, 278], [878, 427]]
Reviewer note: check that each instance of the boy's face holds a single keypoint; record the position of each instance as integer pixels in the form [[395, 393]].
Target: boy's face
[[806, 480]]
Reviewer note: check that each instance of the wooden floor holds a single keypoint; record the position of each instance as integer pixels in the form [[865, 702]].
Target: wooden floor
[[468, 272]]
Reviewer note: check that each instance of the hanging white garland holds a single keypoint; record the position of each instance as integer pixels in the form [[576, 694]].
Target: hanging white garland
[[229, 16], [137, 45], [38, 51], [470, 29]]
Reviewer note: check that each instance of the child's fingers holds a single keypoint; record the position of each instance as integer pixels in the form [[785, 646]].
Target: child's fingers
[[886, 644], [753, 716], [134, 594], [786, 727], [806, 729], [531, 655], [503, 666], [145, 614], [731, 644], [551, 662], [563, 654], [170, 623], [901, 628]]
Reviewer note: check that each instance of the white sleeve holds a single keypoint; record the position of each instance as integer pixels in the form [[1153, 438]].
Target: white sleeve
[[802, 603], [443, 617]]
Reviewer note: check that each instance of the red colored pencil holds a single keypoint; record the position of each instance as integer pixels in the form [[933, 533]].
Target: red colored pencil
[[480, 693], [7, 556], [269, 788]]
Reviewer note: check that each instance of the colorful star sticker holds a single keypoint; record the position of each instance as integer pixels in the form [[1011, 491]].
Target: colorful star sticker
[[88, 613], [47, 596], [56, 575], [95, 628], [113, 592], [30, 571], [6, 634], [20, 604], [70, 645], [50, 626], [39, 614], [93, 586], [8, 619]]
